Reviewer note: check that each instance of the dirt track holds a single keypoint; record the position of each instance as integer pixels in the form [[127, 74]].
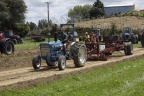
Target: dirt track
[[17, 77]]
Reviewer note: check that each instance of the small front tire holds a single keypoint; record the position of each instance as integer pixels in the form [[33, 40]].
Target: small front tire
[[61, 62], [36, 62]]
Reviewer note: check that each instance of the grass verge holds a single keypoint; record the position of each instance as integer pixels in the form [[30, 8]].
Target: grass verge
[[123, 79]]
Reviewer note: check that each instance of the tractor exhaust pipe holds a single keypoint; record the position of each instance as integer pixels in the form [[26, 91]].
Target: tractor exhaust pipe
[[55, 36]]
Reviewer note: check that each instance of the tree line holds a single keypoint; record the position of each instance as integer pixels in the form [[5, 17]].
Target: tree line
[[87, 11], [12, 16]]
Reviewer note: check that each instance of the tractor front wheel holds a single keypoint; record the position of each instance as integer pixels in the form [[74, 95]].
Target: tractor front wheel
[[36, 62], [62, 62]]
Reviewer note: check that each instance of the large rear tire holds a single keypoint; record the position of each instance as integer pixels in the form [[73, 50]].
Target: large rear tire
[[134, 39], [7, 47], [79, 54], [36, 62], [128, 48]]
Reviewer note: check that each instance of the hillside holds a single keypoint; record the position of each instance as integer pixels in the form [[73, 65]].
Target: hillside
[[104, 23]]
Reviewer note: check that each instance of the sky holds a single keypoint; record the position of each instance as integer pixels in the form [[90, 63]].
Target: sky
[[58, 9]]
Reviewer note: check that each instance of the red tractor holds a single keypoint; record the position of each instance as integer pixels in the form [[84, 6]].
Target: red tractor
[[6, 45], [15, 38]]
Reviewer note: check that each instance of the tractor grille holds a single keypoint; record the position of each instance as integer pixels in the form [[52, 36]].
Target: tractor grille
[[45, 50]]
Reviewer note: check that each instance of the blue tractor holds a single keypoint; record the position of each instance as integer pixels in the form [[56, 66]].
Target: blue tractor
[[128, 35], [52, 52]]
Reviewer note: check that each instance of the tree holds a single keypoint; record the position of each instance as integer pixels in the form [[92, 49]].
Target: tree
[[79, 12], [32, 26], [113, 29], [23, 30], [12, 14], [42, 23], [75, 13], [86, 10], [97, 9]]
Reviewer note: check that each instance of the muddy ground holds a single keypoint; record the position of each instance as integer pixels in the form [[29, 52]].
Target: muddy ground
[[19, 59]]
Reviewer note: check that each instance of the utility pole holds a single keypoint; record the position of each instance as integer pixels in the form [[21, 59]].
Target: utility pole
[[48, 12], [48, 21]]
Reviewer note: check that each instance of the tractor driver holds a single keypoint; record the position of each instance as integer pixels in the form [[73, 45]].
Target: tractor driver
[[64, 39]]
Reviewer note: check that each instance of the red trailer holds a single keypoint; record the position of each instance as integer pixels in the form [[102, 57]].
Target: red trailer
[[106, 46]]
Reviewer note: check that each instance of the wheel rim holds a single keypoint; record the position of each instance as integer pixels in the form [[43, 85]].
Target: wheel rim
[[63, 63], [9, 48], [38, 63], [131, 48], [82, 55]]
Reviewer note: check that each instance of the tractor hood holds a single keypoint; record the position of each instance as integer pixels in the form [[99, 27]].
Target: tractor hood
[[57, 44]]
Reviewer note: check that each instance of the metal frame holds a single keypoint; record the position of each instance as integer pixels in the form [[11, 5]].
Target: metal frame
[[111, 45], [61, 25]]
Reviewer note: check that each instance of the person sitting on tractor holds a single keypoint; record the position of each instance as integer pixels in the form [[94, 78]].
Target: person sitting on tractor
[[63, 37], [93, 37], [86, 37]]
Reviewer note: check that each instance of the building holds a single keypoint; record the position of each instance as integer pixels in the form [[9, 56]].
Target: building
[[115, 9]]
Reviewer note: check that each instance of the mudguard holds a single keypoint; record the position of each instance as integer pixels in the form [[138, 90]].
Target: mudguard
[[4, 40]]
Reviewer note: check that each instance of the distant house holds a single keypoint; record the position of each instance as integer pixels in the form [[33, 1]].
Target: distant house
[[115, 9]]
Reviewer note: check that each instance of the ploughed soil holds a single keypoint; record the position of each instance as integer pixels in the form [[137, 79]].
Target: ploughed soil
[[19, 59], [16, 71]]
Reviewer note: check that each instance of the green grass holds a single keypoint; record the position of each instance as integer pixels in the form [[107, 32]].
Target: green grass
[[28, 44], [137, 45], [123, 79]]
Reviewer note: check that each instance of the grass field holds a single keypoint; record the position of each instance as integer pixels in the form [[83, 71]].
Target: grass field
[[123, 79], [28, 44], [105, 23]]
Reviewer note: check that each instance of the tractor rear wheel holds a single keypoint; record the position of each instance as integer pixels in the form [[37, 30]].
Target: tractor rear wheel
[[36, 62], [7, 47], [79, 54], [128, 48], [134, 39], [62, 62]]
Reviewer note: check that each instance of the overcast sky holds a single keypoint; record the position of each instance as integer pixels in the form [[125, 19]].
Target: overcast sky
[[58, 9]]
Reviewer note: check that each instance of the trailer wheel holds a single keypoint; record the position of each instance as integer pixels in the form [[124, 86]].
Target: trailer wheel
[[36, 62], [61, 62], [128, 48], [79, 54], [7, 47]]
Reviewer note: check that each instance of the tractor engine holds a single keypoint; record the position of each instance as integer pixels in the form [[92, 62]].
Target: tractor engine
[[51, 50]]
